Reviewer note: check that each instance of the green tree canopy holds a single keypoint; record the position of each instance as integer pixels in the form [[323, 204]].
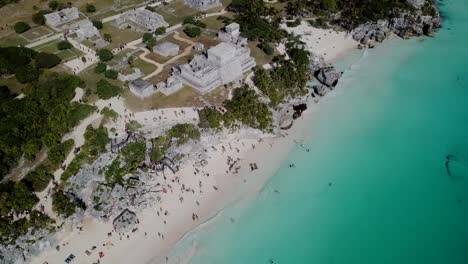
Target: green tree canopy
[[183, 133], [106, 90], [192, 32], [111, 74], [90, 8], [21, 27], [134, 153], [64, 45], [105, 55], [38, 179], [98, 24], [210, 117], [100, 67], [62, 204], [47, 60]]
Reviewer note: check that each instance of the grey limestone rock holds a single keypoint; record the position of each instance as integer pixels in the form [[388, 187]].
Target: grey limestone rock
[[320, 89], [328, 76], [125, 221]]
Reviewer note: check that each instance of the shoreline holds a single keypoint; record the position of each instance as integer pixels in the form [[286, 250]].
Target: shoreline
[[244, 185]]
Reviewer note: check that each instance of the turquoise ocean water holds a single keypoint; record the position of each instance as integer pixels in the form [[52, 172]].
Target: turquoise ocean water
[[381, 141]]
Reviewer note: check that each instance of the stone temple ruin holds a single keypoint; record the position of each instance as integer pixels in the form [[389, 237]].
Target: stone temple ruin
[[222, 64], [203, 5], [231, 33], [61, 17], [141, 20], [85, 30], [125, 221], [141, 88], [170, 86]]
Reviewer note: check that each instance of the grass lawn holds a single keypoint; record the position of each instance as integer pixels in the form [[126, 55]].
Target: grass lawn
[[35, 33], [175, 12], [104, 8], [12, 39], [51, 47], [91, 78], [186, 97], [206, 38], [258, 54], [214, 23], [119, 36], [145, 67], [20, 11], [13, 85]]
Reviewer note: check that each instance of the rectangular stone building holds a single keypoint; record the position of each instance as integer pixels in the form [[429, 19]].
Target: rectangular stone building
[[61, 17], [223, 64], [203, 5], [141, 88], [140, 20]]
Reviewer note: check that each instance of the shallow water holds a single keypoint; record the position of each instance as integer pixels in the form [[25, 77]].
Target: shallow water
[[374, 187]]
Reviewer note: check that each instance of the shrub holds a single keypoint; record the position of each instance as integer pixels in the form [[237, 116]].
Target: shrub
[[184, 132], [62, 204], [107, 37], [134, 153], [160, 31], [209, 118], [111, 74], [149, 40], [53, 4], [192, 21], [106, 90], [267, 48], [38, 179], [98, 24], [100, 67], [64, 45], [47, 60], [21, 27], [105, 55], [192, 32], [27, 74], [150, 8], [38, 18], [90, 8], [188, 20], [109, 114], [58, 152]]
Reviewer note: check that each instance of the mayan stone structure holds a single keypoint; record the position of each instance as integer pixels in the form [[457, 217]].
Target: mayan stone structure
[[203, 5], [141, 20], [61, 17], [222, 64]]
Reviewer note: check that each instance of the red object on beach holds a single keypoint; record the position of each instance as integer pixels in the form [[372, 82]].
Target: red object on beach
[[101, 254], [164, 190]]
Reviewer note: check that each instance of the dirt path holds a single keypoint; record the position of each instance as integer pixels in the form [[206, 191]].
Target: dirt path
[[160, 66]]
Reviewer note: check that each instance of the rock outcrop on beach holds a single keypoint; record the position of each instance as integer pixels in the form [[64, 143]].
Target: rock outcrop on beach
[[328, 76], [106, 200], [125, 221], [31, 244], [325, 73], [320, 89], [424, 20]]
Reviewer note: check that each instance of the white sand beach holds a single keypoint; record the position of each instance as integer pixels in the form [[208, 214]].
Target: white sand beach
[[328, 43], [195, 193], [219, 187]]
